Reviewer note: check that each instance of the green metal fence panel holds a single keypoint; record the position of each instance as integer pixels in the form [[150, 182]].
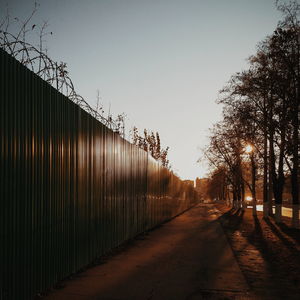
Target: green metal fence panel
[[70, 188]]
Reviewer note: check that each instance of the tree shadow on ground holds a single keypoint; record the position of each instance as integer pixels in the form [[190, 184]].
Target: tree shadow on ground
[[291, 232], [277, 231], [267, 253], [274, 273], [232, 219], [257, 239]]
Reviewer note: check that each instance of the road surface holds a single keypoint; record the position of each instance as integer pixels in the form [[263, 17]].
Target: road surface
[[187, 258]]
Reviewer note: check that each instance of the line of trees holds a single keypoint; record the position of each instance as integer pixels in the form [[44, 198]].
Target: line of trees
[[258, 137]]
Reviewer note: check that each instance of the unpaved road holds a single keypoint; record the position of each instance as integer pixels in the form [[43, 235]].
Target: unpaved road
[[187, 258]]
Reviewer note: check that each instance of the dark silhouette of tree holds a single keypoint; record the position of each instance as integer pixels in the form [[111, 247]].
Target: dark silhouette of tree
[[261, 108]]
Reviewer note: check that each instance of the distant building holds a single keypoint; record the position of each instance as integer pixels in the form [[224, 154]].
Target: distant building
[[189, 182], [201, 186]]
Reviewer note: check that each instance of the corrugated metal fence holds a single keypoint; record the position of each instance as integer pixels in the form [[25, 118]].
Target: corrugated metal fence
[[71, 189]]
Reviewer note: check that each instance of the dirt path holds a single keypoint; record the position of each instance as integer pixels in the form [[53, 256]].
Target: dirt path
[[186, 258]]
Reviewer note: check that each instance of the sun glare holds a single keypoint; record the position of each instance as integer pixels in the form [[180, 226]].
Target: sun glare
[[248, 149]]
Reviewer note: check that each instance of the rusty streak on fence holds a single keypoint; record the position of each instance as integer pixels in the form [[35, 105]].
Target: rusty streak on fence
[[71, 189]]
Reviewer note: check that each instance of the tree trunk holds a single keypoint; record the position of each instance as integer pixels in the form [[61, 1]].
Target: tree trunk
[[227, 196], [294, 175], [253, 191], [241, 184], [271, 158], [243, 195], [295, 192], [278, 180], [275, 182], [265, 158], [234, 199], [270, 188]]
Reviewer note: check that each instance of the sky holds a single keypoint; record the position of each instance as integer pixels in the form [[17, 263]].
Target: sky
[[161, 62]]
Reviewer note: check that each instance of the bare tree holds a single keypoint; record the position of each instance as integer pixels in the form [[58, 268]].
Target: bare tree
[[150, 142]]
